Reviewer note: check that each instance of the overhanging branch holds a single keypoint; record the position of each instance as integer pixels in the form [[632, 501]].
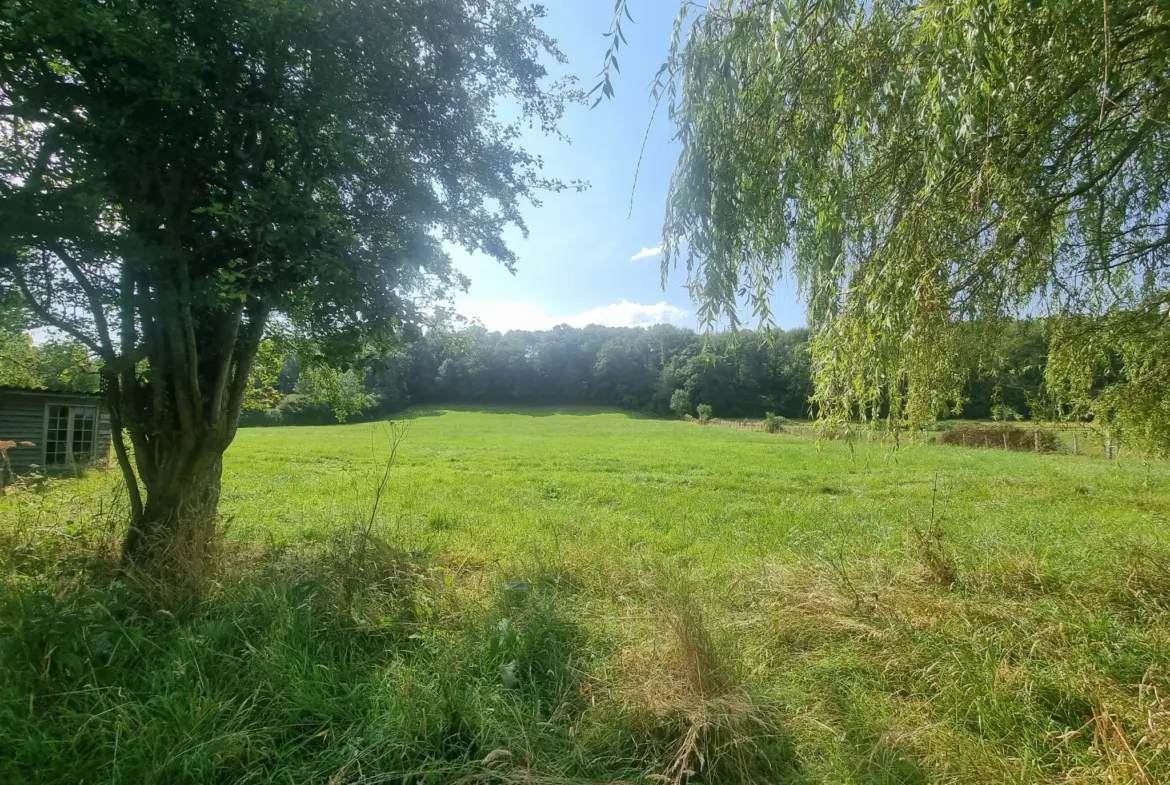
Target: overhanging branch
[[49, 318], [92, 297]]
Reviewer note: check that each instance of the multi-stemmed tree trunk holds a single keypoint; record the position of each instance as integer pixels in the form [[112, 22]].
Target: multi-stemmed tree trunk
[[175, 378], [180, 422]]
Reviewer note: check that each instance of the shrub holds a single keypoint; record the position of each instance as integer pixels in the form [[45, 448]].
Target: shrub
[[774, 423], [293, 409], [680, 403], [256, 418], [705, 413], [1001, 436]]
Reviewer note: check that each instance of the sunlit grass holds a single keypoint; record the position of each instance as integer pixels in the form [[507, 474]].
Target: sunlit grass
[[584, 596]]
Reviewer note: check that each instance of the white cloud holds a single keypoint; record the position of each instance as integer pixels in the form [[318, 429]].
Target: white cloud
[[503, 315], [628, 314], [646, 253]]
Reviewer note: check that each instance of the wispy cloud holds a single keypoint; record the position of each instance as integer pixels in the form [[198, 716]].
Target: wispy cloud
[[628, 314], [646, 253], [501, 315]]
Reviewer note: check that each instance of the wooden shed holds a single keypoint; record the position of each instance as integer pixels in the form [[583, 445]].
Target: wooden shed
[[52, 431]]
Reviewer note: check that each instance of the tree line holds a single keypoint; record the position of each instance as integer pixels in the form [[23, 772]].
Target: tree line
[[662, 370]]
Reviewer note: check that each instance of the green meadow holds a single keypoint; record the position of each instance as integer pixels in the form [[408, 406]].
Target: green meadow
[[576, 595]]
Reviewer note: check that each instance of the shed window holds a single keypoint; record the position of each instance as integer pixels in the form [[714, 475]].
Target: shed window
[[69, 434]]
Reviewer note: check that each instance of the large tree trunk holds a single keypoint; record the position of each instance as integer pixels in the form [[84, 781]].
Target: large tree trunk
[[173, 537]]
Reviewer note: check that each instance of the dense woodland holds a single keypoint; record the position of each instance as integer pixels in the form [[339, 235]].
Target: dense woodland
[[745, 374]]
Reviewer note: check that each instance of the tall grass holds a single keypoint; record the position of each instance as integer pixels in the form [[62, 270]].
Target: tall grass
[[591, 598]]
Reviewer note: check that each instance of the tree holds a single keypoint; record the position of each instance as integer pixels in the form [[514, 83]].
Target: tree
[[60, 364], [64, 364], [19, 364], [174, 174], [343, 391], [931, 169], [680, 402]]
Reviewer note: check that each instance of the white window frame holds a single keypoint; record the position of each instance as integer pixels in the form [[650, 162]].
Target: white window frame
[[68, 435]]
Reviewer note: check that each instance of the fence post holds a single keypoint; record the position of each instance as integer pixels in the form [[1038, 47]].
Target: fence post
[[1076, 447]]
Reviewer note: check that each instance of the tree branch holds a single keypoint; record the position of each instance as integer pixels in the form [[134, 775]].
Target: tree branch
[[114, 397], [227, 346], [97, 311], [191, 349], [176, 370], [50, 318], [246, 349]]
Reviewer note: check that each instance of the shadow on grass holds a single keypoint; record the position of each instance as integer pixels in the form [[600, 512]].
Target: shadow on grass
[[301, 665], [869, 745], [35, 478]]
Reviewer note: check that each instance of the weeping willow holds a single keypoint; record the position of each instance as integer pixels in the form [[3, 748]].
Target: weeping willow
[[927, 171]]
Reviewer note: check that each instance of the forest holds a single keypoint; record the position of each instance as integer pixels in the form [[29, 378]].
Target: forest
[[745, 374]]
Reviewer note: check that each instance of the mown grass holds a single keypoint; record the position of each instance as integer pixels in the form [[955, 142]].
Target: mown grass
[[585, 596]]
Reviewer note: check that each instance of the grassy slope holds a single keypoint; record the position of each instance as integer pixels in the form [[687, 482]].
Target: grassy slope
[[744, 606]]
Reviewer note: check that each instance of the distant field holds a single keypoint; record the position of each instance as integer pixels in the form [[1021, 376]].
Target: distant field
[[587, 596]]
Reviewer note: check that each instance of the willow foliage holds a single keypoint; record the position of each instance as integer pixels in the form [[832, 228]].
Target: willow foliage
[[927, 169]]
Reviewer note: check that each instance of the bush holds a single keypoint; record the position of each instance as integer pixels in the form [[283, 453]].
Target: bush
[[774, 423], [680, 402], [293, 409], [705, 413], [255, 418], [302, 410], [1001, 436]]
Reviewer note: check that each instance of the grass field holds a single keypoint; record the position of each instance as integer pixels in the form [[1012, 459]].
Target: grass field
[[582, 596]]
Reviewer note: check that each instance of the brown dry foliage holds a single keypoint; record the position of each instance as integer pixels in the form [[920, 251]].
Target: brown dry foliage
[[1001, 436], [680, 685]]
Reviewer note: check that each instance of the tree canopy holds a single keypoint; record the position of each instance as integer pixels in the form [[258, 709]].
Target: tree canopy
[[662, 370], [926, 169], [174, 174]]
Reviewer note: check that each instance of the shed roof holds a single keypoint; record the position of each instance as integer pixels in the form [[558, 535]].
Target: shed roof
[[12, 388]]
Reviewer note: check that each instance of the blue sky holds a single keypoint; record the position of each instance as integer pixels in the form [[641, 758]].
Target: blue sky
[[577, 265]]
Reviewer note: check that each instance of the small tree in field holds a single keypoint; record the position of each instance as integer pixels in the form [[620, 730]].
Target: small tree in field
[[174, 174], [705, 413], [680, 402]]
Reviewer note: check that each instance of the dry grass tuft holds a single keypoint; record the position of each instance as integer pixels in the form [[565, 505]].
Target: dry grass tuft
[[938, 562], [680, 689], [1019, 576], [1146, 582], [1113, 746], [1154, 703]]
